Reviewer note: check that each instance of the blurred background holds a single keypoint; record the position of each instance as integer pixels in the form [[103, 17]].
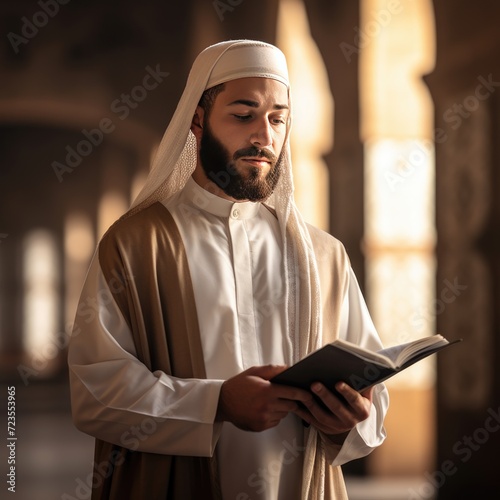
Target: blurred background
[[396, 153]]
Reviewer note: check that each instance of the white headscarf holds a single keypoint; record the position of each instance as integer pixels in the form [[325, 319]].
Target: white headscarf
[[175, 158], [175, 162]]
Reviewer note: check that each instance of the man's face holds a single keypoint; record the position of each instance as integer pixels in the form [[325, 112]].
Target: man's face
[[243, 137]]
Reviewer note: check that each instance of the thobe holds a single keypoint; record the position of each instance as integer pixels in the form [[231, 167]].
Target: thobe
[[233, 257]]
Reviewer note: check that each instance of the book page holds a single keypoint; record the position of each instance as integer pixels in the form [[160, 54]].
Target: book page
[[372, 357], [399, 354]]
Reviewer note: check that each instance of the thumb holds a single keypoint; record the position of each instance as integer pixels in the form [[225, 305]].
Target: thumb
[[266, 372], [368, 393]]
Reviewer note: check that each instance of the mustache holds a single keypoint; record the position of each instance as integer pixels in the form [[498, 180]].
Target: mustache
[[254, 151]]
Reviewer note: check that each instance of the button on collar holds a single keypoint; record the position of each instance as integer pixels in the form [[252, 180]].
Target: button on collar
[[244, 210]]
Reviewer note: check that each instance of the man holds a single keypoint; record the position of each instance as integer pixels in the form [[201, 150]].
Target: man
[[206, 289]]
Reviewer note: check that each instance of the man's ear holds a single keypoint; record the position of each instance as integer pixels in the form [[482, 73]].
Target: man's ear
[[197, 122]]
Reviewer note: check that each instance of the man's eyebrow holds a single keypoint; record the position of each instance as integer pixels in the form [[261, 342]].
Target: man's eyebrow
[[255, 104]]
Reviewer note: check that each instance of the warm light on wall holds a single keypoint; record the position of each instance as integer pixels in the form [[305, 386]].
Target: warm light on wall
[[396, 118], [112, 205], [78, 248], [137, 184], [78, 237], [41, 290], [312, 109], [397, 41], [399, 245], [399, 237]]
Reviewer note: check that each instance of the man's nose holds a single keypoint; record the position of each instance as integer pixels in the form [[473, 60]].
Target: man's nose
[[262, 135]]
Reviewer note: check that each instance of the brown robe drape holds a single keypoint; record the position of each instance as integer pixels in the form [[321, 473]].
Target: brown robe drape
[[159, 308]]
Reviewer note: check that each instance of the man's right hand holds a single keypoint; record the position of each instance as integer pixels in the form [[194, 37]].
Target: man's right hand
[[252, 403]]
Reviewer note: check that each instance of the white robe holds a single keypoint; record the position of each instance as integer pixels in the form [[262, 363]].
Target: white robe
[[234, 256]]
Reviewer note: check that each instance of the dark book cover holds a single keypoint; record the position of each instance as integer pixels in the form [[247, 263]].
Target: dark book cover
[[332, 364]]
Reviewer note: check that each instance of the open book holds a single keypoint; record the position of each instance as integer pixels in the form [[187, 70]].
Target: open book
[[358, 367]]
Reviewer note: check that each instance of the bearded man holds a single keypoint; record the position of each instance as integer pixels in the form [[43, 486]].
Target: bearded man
[[208, 287]]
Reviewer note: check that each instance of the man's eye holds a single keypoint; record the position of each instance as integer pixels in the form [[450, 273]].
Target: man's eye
[[280, 121], [242, 118]]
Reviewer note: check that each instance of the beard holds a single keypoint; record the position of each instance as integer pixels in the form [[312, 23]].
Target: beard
[[220, 168]]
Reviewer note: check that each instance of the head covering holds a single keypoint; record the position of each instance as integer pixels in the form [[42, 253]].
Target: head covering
[[243, 61], [174, 163], [175, 159]]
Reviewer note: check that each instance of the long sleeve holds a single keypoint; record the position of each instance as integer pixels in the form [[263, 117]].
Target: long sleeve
[[357, 327], [116, 398]]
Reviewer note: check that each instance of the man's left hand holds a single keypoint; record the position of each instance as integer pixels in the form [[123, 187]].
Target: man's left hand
[[342, 415]]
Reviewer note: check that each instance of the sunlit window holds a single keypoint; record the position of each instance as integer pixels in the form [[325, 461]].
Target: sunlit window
[[397, 130], [399, 243], [41, 290], [397, 49]]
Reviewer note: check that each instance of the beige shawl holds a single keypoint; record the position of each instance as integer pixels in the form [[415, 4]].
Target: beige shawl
[[159, 308]]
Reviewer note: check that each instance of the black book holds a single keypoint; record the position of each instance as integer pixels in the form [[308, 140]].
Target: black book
[[358, 367]]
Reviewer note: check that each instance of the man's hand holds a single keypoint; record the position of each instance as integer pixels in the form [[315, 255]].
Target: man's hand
[[343, 415], [252, 403]]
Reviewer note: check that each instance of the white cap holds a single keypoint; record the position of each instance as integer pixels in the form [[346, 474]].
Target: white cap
[[252, 59]]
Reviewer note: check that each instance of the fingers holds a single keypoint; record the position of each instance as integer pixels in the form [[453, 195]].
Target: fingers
[[337, 416], [368, 393], [354, 403], [251, 402], [266, 372]]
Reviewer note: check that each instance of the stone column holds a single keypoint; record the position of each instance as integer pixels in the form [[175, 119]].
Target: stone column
[[465, 87]]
